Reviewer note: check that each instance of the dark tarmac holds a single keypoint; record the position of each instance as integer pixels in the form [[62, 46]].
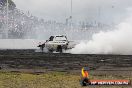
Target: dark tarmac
[[29, 60]]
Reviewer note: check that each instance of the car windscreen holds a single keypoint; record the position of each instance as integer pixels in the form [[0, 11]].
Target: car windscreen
[[60, 38]]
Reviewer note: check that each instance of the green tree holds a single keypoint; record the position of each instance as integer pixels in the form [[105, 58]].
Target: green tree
[[3, 3]]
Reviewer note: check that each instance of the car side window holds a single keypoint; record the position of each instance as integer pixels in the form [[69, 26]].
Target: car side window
[[51, 38]]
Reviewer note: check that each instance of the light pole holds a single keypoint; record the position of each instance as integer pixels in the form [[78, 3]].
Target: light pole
[[71, 13], [71, 9], [7, 8]]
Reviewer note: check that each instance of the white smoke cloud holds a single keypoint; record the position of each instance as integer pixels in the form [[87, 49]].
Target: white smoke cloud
[[117, 41], [19, 43]]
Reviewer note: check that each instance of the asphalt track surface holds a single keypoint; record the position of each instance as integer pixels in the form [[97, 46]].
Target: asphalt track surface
[[29, 60]]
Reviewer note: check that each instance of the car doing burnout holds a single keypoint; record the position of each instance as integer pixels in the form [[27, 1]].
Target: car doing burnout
[[56, 43]]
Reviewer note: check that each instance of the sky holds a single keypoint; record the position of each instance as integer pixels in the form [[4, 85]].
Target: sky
[[107, 11]]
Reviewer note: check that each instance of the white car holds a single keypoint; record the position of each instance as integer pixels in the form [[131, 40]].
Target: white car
[[56, 43]]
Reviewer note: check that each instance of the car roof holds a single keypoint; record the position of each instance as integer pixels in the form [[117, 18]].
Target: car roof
[[59, 36]]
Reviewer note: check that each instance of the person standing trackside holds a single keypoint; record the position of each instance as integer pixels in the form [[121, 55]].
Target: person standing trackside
[[85, 76]]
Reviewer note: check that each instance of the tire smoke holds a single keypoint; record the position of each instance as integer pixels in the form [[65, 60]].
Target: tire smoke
[[117, 41]]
